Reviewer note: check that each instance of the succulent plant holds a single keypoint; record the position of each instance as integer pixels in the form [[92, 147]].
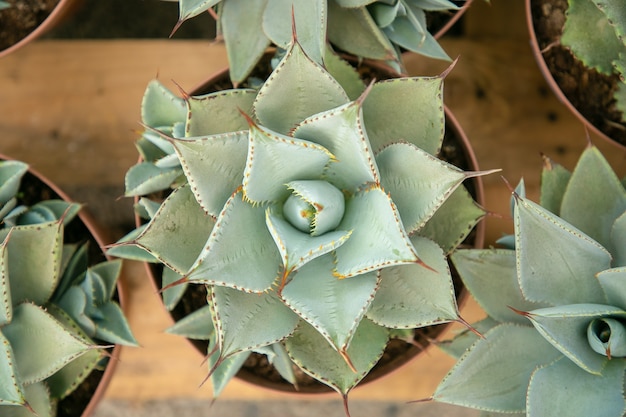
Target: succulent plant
[[595, 32], [4, 5], [374, 29], [554, 338], [54, 306], [315, 213]]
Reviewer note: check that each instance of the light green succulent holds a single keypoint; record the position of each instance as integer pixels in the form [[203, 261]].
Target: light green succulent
[[55, 306], [555, 336], [595, 32], [4, 5], [317, 216], [374, 29]]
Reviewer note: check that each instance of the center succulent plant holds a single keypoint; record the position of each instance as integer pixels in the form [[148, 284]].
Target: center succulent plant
[[317, 217], [555, 295]]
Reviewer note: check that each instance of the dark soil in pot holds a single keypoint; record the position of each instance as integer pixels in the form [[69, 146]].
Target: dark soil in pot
[[33, 190], [21, 18], [590, 92], [257, 369]]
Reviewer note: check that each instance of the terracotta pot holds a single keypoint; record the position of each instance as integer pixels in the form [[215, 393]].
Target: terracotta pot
[[454, 135], [612, 131], [82, 227], [62, 10]]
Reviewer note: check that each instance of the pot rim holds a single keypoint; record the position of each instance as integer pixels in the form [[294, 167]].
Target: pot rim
[[554, 86], [99, 236]]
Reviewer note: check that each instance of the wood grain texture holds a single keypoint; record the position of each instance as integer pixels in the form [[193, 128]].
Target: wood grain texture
[[70, 108]]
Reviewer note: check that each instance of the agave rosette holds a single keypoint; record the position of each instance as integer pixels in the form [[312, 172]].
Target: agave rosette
[[555, 335], [318, 220]]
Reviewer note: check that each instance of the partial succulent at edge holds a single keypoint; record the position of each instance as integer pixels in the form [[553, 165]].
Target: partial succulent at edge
[[595, 32], [375, 29], [555, 295], [318, 221], [53, 306]]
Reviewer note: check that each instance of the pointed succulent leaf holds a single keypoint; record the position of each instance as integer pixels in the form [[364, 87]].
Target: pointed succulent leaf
[[220, 158], [48, 211], [490, 276], [74, 303], [240, 317], [113, 327], [607, 336], [417, 196], [172, 295], [613, 282], [312, 353], [345, 74], [618, 241], [604, 197], [354, 30], [197, 325], [35, 253], [494, 374], [277, 356], [38, 398], [453, 221], [108, 273], [146, 208], [226, 370], [572, 398], [406, 109], [219, 112], [554, 179], [309, 19], [190, 8], [74, 263], [556, 262], [410, 32], [11, 173], [590, 35], [315, 206], [145, 178], [11, 390], [412, 296], [274, 160], [334, 307], [6, 305], [126, 248], [67, 379], [160, 107], [253, 266], [186, 226], [297, 248], [276, 105], [7, 208], [565, 327], [40, 343], [378, 238], [341, 131], [241, 24], [466, 338]]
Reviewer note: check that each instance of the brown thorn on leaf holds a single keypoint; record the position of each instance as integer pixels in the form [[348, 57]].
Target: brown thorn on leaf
[[608, 352], [470, 327], [425, 265], [550, 46], [176, 27], [213, 14], [173, 284], [344, 355], [345, 405], [520, 312], [547, 162], [183, 93], [421, 400], [209, 354], [211, 371], [30, 408], [447, 71]]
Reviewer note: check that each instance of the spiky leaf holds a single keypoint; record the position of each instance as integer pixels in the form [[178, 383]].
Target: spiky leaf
[[219, 112]]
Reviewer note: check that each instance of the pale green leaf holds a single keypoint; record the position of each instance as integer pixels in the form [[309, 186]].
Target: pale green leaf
[[178, 232], [278, 106], [190, 8], [74, 303], [241, 319], [613, 282], [378, 238], [113, 327], [218, 112], [172, 295], [11, 390], [214, 167], [341, 131], [312, 353], [345, 74], [411, 34], [6, 305], [240, 252], [40, 343], [592, 203], [226, 370], [464, 340], [278, 357], [11, 173], [334, 307], [38, 397], [556, 262], [618, 241], [554, 179], [565, 327], [274, 160], [126, 248], [563, 389], [494, 374], [241, 24], [197, 325], [406, 109], [145, 178], [160, 107], [309, 18], [490, 276], [412, 296]]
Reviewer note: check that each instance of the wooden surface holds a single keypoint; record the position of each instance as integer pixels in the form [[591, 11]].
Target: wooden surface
[[71, 109]]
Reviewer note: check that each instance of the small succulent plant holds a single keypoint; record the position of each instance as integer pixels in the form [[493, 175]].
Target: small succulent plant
[[374, 29], [595, 32], [54, 305], [555, 295], [314, 211]]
